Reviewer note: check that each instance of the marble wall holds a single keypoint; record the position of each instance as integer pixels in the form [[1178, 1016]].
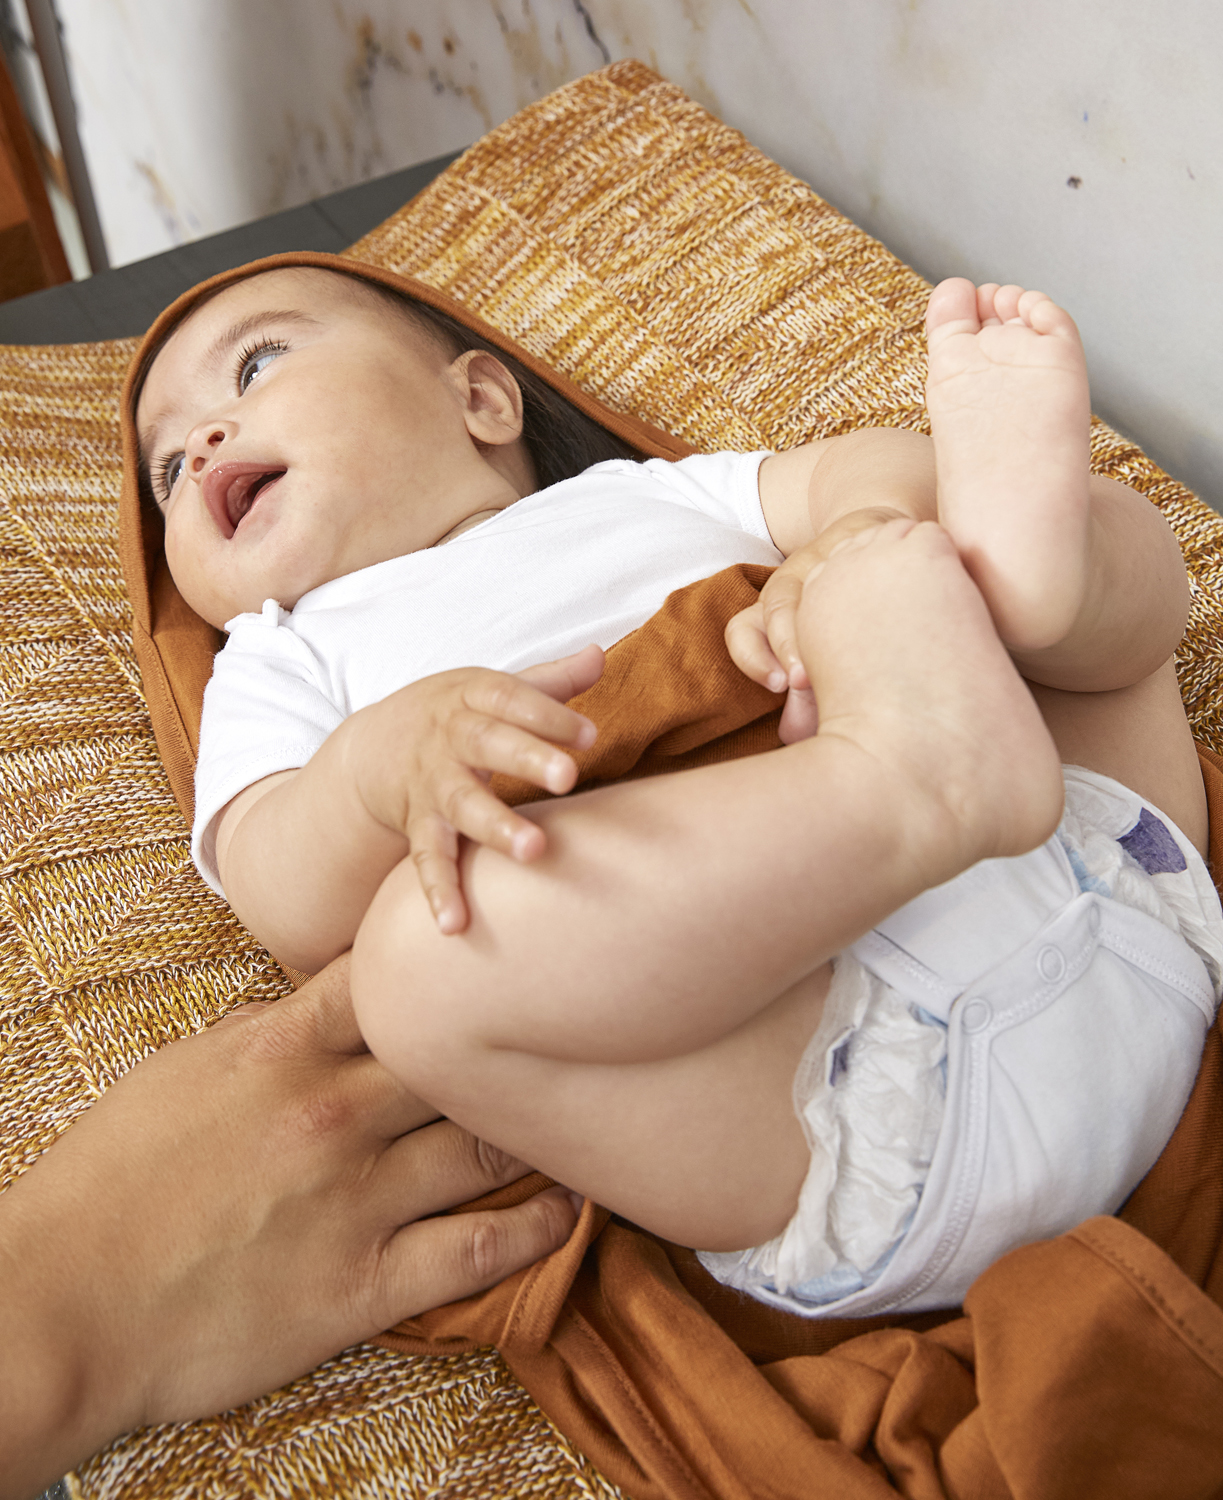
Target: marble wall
[[1070, 144]]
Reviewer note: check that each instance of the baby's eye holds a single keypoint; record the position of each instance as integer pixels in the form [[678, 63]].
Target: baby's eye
[[169, 473], [253, 362]]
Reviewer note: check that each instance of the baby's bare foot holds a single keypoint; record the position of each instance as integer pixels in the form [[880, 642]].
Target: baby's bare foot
[[1009, 411], [906, 665]]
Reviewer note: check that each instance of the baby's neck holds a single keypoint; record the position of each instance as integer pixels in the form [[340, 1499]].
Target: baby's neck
[[480, 515]]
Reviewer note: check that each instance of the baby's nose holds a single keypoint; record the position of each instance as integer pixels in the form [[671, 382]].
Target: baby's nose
[[202, 442]]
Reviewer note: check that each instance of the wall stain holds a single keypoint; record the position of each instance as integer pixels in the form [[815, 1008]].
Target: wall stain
[[537, 68], [346, 144], [371, 55], [162, 200], [590, 31]]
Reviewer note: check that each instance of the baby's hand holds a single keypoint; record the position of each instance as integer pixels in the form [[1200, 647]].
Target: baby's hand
[[429, 749], [763, 639]]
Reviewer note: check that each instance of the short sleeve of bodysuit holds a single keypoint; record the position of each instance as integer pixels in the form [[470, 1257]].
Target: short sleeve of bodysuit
[[723, 486], [265, 710]]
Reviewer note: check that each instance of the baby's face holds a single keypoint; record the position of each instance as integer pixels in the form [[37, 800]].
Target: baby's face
[[296, 429]]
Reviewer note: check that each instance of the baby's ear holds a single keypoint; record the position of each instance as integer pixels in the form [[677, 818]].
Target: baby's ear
[[491, 399]]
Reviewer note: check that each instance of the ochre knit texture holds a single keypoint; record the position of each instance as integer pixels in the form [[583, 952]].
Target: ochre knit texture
[[625, 236]]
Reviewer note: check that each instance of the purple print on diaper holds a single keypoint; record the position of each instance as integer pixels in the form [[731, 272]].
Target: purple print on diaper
[[1150, 844]]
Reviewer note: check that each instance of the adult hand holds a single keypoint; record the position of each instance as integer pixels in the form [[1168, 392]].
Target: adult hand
[[240, 1207]]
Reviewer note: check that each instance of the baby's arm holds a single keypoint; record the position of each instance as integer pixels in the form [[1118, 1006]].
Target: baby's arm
[[301, 853]]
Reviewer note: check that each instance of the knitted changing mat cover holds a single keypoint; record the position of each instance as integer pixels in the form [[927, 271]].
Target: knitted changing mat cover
[[624, 235]]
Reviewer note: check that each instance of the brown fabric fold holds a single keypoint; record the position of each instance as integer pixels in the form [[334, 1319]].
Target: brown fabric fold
[[1087, 1365]]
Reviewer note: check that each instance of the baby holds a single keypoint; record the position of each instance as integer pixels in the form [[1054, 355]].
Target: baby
[[862, 1005]]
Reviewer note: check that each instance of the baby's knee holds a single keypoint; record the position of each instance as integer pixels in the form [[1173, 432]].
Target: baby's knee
[[398, 986]]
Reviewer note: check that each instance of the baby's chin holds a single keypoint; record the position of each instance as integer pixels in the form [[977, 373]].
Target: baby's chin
[[245, 596], [218, 613]]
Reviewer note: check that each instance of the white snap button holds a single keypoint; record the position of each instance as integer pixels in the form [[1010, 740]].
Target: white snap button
[[1051, 965], [977, 1015]]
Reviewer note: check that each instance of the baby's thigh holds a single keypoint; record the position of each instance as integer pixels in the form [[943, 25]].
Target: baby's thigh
[[703, 1148], [1140, 737]]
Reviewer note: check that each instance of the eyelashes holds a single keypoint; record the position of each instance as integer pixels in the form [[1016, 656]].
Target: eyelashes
[[249, 363], [162, 481]]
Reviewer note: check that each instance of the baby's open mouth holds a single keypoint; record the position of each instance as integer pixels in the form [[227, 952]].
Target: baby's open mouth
[[231, 489], [245, 491]]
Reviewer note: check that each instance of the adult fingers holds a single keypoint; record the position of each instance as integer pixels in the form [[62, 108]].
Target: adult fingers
[[383, 1108], [749, 649], [566, 678], [249, 1010], [317, 1019], [435, 1169], [441, 1260], [318, 1015], [315, 1034]]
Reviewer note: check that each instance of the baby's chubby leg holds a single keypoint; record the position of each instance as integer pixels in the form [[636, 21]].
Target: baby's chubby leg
[[1085, 581], [628, 1011], [1009, 412], [1084, 578]]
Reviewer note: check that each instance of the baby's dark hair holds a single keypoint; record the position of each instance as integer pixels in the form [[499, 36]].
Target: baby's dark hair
[[561, 440]]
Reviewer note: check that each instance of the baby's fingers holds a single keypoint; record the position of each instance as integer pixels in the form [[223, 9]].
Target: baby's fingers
[[435, 850], [566, 678], [800, 718], [468, 806], [515, 701], [749, 649], [779, 604], [474, 812], [488, 744]]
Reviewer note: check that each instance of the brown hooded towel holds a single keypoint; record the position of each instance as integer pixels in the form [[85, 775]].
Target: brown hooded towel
[[1091, 1364]]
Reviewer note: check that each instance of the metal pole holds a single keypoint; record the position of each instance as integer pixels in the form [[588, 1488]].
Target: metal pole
[[49, 44]]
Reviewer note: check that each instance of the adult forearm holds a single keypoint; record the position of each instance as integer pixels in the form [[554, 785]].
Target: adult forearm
[[304, 860], [51, 1414]]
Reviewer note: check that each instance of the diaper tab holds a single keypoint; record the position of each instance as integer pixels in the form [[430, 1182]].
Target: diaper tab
[[1150, 844]]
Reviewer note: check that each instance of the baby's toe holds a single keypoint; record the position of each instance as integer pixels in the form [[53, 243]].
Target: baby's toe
[[1006, 302], [953, 301], [1045, 316]]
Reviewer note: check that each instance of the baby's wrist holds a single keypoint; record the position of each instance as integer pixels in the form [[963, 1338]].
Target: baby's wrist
[[365, 751]]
